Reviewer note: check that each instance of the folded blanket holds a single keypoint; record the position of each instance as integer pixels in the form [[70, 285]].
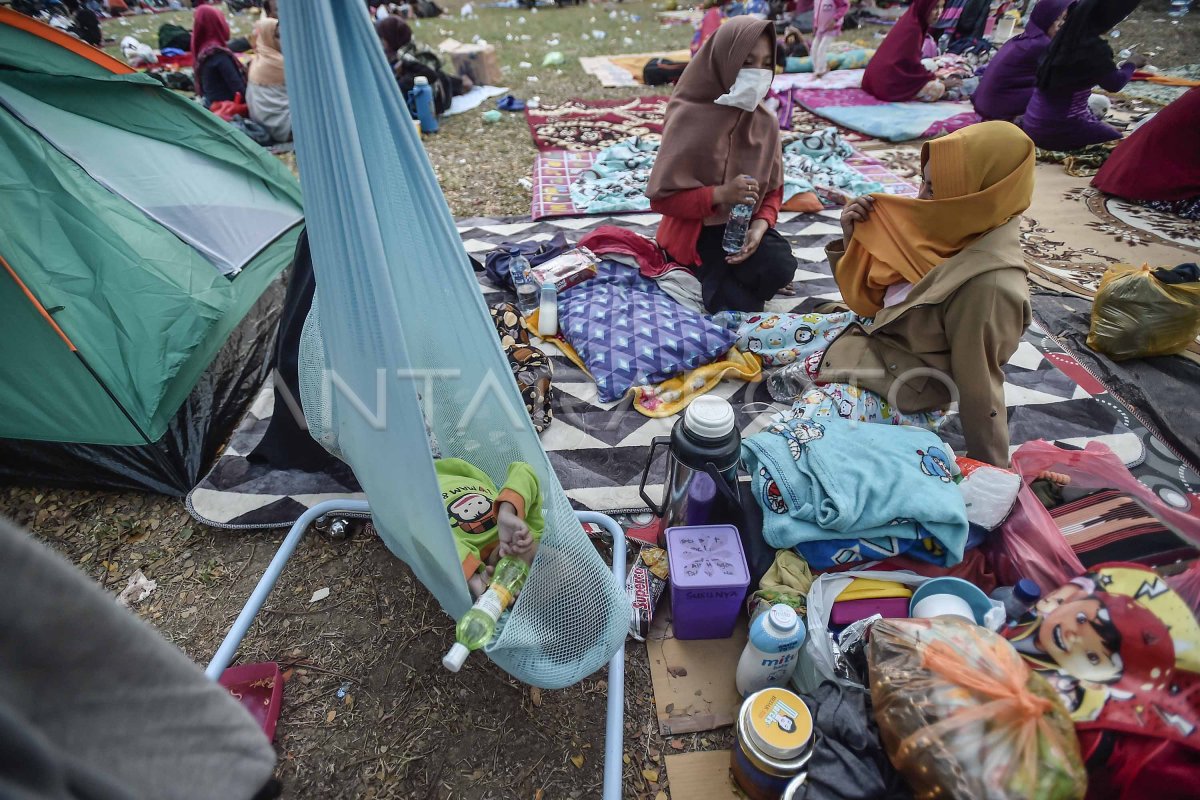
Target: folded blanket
[[816, 162], [851, 59], [836, 479]]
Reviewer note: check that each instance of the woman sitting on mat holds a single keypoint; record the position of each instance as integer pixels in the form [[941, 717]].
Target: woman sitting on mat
[[266, 90], [720, 148], [1159, 164], [397, 40], [1007, 82], [895, 73], [218, 74], [944, 280], [1062, 114]]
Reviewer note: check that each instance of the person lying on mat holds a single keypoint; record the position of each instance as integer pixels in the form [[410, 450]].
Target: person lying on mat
[[1063, 114], [720, 148], [1159, 164], [895, 73], [490, 524], [943, 278], [1008, 80], [402, 56]]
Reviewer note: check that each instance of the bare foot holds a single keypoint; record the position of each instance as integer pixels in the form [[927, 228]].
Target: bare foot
[[787, 291]]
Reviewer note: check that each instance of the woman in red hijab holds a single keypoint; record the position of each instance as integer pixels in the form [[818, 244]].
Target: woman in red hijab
[[720, 148], [218, 74], [895, 73]]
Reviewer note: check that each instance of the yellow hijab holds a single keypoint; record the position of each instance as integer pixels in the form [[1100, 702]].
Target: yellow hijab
[[982, 176]]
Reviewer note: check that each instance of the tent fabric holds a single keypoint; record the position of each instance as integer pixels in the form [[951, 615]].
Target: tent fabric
[[390, 267], [143, 314], [24, 41]]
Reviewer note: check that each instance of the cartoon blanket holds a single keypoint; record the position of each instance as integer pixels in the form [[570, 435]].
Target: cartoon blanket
[[837, 479]]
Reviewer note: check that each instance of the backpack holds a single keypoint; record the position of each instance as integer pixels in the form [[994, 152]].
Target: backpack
[[174, 36], [659, 71]]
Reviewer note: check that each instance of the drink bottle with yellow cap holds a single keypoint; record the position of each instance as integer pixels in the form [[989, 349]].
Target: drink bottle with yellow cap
[[478, 625]]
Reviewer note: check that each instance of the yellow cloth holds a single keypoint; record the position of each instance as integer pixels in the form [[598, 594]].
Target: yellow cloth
[[871, 589], [787, 581], [672, 395], [981, 177]]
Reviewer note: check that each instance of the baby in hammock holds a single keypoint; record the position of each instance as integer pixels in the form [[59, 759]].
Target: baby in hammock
[[490, 524]]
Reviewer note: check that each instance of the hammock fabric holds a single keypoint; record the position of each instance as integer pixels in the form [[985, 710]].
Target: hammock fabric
[[392, 278]]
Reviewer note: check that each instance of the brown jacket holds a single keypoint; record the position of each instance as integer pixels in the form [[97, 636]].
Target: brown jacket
[[947, 341]]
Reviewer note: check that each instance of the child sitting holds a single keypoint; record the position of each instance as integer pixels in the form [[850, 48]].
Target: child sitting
[[490, 524]]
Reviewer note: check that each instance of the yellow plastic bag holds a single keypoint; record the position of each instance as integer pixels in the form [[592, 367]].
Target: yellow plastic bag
[[1136, 315], [963, 717]]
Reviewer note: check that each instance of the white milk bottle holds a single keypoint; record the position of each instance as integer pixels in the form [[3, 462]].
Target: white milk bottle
[[771, 653]]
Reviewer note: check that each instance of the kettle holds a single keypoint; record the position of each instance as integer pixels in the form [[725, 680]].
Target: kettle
[[703, 453]]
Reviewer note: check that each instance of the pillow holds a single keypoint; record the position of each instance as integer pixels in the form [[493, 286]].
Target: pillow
[[629, 332]]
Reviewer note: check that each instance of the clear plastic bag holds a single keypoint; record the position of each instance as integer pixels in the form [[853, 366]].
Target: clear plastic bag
[[1136, 315], [962, 716]]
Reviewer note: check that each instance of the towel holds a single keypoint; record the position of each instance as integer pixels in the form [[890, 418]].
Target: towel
[[837, 479]]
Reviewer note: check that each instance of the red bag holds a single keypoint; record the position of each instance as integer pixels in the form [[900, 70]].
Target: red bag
[[228, 109], [1030, 545]]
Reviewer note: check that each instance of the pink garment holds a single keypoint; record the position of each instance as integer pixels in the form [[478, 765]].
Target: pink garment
[[609, 240], [929, 48], [828, 16], [896, 294]]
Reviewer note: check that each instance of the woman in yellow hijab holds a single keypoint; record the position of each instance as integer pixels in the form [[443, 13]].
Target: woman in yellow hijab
[[943, 281]]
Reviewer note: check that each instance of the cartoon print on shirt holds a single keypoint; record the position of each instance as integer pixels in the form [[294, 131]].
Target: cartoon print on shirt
[[473, 513]]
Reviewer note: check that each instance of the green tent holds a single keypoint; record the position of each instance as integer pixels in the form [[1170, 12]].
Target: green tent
[[141, 245]]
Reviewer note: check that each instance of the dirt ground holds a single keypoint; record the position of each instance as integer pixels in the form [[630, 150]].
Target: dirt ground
[[406, 728]]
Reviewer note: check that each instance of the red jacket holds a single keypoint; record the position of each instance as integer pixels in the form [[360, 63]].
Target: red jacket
[[684, 214]]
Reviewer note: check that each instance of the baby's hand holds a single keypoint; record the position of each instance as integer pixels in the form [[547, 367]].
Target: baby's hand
[[515, 537]]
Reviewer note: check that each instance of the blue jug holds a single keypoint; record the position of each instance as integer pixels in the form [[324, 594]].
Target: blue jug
[[420, 102]]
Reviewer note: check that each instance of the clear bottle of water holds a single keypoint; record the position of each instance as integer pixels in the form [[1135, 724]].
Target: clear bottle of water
[[1018, 599], [526, 286], [735, 229], [788, 384]]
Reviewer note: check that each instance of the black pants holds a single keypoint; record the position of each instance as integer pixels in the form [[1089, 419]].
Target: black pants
[[750, 284]]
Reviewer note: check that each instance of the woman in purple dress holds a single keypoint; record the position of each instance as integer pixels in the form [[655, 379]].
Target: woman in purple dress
[[1007, 83], [1078, 59]]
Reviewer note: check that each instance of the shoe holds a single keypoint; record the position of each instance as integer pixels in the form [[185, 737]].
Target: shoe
[[510, 103]]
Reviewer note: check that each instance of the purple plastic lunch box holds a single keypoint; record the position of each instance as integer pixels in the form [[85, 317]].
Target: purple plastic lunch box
[[709, 579]]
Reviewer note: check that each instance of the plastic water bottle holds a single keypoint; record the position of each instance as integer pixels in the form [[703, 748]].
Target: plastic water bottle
[[525, 284], [548, 311], [478, 625], [1018, 599], [420, 99], [735, 229], [772, 652]]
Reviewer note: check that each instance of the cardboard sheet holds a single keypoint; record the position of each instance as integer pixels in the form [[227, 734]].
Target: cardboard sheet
[[701, 776], [693, 679]]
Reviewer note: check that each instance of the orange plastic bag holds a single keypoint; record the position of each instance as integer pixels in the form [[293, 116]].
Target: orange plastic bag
[[1136, 315], [962, 716]]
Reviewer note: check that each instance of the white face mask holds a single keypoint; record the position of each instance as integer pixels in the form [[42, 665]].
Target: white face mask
[[748, 90]]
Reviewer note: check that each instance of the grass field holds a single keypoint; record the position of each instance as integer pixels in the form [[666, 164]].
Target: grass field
[[409, 729]]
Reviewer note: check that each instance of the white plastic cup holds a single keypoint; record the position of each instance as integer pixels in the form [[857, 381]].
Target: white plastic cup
[[943, 605]]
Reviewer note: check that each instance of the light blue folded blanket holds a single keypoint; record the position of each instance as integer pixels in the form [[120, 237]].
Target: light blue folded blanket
[[838, 479]]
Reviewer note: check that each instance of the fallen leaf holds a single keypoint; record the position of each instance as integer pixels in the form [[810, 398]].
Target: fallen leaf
[[676, 744], [287, 675], [319, 595], [535, 696], [650, 775], [670, 708], [660, 796], [677, 672], [189, 572], [538, 795], [332, 713], [577, 760], [348, 701], [625, 758]]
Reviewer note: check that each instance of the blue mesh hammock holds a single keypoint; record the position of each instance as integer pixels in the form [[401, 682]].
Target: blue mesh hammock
[[401, 335]]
